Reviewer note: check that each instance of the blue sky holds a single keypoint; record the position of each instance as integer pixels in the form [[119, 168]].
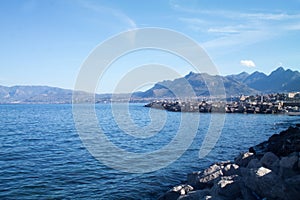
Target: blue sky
[[45, 42]]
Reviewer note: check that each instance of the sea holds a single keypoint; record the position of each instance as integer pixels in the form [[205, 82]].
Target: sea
[[45, 155]]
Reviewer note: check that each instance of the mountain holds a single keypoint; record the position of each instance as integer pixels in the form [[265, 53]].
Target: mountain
[[254, 80], [203, 85], [238, 77], [34, 94], [280, 80], [50, 95]]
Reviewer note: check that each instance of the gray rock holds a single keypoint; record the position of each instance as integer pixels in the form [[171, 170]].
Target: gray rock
[[201, 180], [288, 165], [247, 194], [227, 187], [243, 159], [170, 195], [207, 181], [269, 159], [230, 169], [193, 178], [254, 164], [182, 189], [212, 169], [293, 187], [289, 161], [177, 188], [196, 195], [264, 183]]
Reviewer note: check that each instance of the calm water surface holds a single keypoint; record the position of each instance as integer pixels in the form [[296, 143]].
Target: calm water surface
[[42, 156]]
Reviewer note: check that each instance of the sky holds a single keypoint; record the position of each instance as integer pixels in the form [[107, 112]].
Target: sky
[[46, 42]]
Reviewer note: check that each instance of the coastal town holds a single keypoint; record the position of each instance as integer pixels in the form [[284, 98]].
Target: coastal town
[[280, 103]]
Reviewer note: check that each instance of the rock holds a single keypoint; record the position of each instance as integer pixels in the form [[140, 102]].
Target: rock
[[196, 195], [264, 183], [286, 142], [293, 187], [212, 169], [182, 189], [170, 195], [176, 188], [227, 187], [201, 180], [270, 170], [282, 144], [259, 149], [243, 159], [271, 161], [176, 191], [185, 189], [230, 169], [193, 178], [288, 166], [262, 171], [289, 161], [207, 181], [254, 164], [247, 194]]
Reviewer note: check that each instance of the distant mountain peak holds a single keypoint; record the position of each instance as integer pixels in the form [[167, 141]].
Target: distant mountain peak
[[278, 70], [190, 74], [243, 73], [258, 73]]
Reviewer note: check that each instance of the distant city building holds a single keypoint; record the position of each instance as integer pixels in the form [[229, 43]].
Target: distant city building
[[293, 94]]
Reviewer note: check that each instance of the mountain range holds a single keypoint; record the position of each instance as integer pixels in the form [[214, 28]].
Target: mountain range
[[202, 84], [280, 80]]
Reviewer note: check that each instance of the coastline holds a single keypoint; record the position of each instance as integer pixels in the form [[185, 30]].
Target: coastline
[[269, 170]]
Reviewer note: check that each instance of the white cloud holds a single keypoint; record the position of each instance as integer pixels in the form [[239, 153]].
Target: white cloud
[[247, 63]]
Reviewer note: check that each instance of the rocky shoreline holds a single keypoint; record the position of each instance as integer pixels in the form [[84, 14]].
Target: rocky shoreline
[[269, 170]]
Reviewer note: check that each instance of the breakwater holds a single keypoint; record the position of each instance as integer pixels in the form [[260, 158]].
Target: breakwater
[[224, 107]]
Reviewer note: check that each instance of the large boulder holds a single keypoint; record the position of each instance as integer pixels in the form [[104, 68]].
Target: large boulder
[[254, 164], [264, 183], [247, 194], [288, 165], [227, 187], [271, 161], [293, 187]]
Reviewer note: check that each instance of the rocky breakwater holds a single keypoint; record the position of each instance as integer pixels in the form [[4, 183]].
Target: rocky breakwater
[[270, 170]]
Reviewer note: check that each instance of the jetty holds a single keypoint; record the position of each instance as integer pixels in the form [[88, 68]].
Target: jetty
[[253, 105]]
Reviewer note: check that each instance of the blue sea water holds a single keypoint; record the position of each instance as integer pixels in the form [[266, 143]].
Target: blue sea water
[[42, 156]]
